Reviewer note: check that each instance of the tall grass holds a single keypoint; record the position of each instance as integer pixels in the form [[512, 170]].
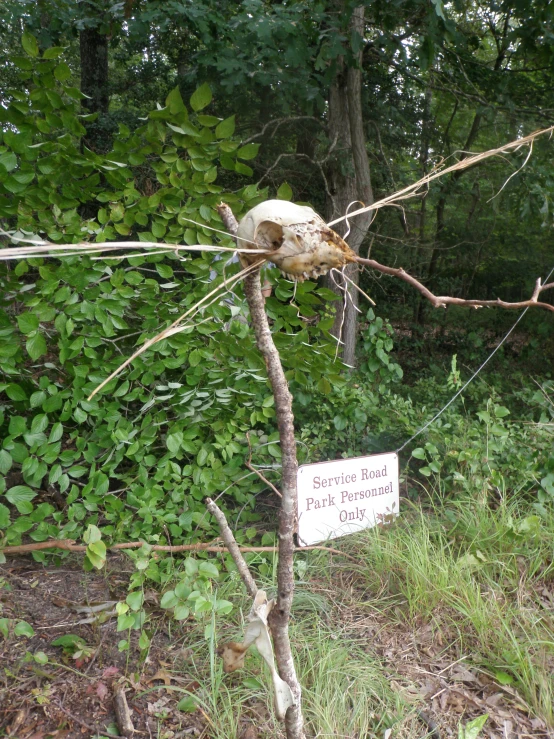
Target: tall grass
[[479, 571]]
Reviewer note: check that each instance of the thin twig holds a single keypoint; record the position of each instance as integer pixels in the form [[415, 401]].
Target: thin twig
[[248, 464], [233, 547], [95, 733]]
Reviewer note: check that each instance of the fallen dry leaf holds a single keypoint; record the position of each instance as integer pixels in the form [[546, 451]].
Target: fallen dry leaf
[[233, 654], [249, 732]]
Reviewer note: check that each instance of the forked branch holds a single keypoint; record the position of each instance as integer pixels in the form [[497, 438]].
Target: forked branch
[[442, 301]]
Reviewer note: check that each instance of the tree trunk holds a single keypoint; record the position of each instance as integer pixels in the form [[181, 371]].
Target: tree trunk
[[350, 181], [94, 84]]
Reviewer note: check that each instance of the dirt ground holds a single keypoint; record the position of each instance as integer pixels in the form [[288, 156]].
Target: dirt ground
[[71, 699]]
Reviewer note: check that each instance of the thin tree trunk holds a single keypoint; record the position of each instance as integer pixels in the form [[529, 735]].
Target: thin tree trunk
[[94, 84], [280, 615], [350, 180]]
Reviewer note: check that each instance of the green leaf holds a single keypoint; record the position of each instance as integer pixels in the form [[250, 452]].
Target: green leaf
[[5, 461], [135, 600], [4, 516], [27, 322], [181, 612], [15, 392], [19, 495], [248, 152], [340, 422], [243, 169], [174, 441], [324, 386], [472, 728], [174, 102], [188, 704], [419, 453], [195, 358], [53, 52], [36, 346], [226, 128], [92, 534], [284, 192], [223, 607], [96, 552], [69, 641], [144, 641], [29, 43], [24, 629], [40, 658], [208, 569], [56, 433], [125, 622], [503, 677], [169, 599], [62, 72], [8, 161], [201, 97]]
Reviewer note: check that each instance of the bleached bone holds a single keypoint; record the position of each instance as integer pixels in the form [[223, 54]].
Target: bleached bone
[[301, 243]]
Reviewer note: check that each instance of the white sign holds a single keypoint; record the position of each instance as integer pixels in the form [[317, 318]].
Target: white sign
[[346, 495]]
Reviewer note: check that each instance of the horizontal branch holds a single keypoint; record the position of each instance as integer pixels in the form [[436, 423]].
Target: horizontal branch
[[441, 301], [70, 546]]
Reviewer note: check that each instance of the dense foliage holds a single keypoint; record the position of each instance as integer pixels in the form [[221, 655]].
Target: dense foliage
[[140, 457]]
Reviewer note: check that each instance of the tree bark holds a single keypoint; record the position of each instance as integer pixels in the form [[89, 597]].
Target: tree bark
[[350, 180], [94, 84]]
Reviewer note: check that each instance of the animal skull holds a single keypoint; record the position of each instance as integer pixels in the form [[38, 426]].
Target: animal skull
[[300, 242]]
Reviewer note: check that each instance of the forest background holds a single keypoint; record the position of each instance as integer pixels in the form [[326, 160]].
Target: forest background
[[132, 120]]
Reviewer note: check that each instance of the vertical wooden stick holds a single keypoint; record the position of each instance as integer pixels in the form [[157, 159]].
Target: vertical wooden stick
[[280, 615]]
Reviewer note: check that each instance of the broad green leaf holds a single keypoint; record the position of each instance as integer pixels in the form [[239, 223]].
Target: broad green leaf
[[69, 640], [473, 728], [175, 103], [208, 569], [169, 599], [284, 192], [36, 346], [27, 322], [62, 72], [6, 461], [8, 161], [226, 128], [248, 152], [201, 97], [135, 599], [92, 534], [4, 516], [29, 43], [19, 495], [53, 52], [15, 392], [22, 628], [188, 704]]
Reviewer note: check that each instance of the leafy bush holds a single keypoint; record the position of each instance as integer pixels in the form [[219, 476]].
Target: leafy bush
[[138, 459]]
